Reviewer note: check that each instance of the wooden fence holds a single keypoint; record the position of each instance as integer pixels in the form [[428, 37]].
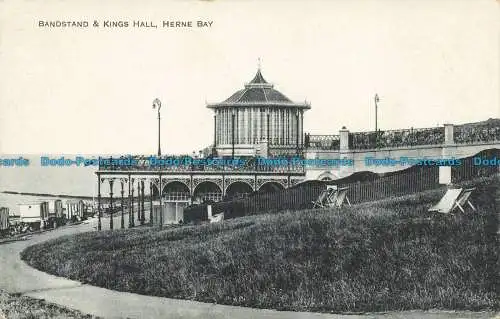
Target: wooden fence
[[468, 170], [412, 180]]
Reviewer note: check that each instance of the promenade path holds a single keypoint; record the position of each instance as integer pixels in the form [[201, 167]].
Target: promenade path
[[18, 277]]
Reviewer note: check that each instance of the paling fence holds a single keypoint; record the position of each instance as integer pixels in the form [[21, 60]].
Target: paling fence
[[297, 197], [468, 170], [411, 180]]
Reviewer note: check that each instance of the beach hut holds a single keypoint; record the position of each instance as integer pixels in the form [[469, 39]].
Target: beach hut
[[35, 215], [4, 221], [75, 210]]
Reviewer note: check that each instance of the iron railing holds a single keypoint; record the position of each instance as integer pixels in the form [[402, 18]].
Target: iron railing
[[324, 142], [179, 164], [475, 134], [396, 138]]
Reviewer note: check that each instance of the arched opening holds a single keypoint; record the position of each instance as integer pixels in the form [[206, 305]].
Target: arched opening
[[327, 176], [207, 191], [238, 189], [176, 191], [271, 187]]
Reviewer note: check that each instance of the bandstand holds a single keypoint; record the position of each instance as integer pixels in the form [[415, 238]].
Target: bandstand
[[255, 121], [260, 121]]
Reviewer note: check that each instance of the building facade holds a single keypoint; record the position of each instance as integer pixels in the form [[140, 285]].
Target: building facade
[[258, 120]]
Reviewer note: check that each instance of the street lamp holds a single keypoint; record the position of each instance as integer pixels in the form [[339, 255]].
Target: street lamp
[[376, 118], [157, 104], [376, 110]]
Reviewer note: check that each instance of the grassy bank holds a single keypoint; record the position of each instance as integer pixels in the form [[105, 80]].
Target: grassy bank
[[377, 256], [20, 307]]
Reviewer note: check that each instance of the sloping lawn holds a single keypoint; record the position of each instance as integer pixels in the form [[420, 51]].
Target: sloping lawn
[[21, 307], [380, 256]]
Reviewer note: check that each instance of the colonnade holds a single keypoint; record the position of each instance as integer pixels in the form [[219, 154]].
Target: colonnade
[[134, 184], [279, 126]]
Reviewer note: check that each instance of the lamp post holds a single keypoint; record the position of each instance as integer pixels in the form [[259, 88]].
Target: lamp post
[[376, 119], [157, 104]]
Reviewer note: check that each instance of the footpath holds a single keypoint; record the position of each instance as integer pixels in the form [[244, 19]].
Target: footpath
[[18, 277]]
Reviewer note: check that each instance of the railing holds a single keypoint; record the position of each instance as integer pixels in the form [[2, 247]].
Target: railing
[[213, 196], [324, 142], [298, 197], [176, 196], [475, 134], [396, 138], [409, 181], [469, 168], [178, 164]]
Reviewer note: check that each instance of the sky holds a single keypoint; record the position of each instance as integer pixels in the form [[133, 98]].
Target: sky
[[90, 90]]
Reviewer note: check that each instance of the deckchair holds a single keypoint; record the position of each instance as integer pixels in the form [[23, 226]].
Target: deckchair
[[322, 199], [217, 218], [463, 199], [338, 198], [452, 199]]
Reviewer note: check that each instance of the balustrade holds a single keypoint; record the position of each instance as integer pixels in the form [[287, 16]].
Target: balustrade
[[475, 134]]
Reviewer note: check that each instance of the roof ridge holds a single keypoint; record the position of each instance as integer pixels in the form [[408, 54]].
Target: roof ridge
[[239, 97], [258, 78], [265, 94]]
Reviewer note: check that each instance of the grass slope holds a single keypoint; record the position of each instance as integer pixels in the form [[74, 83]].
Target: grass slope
[[16, 307], [373, 257]]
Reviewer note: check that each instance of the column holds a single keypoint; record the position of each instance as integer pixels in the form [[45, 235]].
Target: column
[[245, 127], [448, 134], [160, 191], [240, 126], [99, 226], [344, 139], [345, 153], [138, 200], [131, 211], [268, 128], [111, 182], [218, 126], [150, 203], [259, 124], [301, 127], [122, 221], [130, 181], [224, 126], [143, 217], [297, 135], [445, 172], [215, 130], [228, 126], [278, 127]]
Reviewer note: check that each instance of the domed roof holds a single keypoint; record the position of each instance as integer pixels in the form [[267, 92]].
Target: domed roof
[[258, 92]]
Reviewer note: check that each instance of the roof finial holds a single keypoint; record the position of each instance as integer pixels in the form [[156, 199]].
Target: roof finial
[[259, 62]]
